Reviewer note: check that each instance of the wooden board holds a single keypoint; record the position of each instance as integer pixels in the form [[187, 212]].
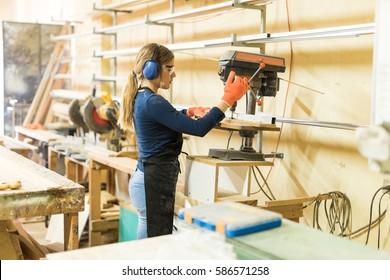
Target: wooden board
[[38, 134], [234, 124], [7, 251], [124, 164], [43, 191]]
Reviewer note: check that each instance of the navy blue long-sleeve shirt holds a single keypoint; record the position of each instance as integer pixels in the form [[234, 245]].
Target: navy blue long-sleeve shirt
[[158, 123]]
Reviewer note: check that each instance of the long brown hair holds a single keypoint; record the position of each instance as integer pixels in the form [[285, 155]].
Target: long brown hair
[[163, 56]]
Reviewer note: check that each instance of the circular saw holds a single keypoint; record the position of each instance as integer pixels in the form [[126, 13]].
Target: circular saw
[[100, 114], [75, 115]]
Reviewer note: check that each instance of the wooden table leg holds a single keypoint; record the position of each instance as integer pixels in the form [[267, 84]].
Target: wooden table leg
[[94, 202], [70, 170], [7, 251], [71, 231]]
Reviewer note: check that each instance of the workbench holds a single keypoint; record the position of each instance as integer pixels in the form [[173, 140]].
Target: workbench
[[43, 193], [40, 138], [293, 241], [18, 146], [101, 166], [63, 163], [290, 241], [37, 134]]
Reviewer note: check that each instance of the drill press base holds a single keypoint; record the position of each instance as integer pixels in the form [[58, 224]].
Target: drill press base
[[225, 154]]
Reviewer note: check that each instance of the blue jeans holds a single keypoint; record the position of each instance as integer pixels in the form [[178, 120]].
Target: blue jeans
[[137, 195]]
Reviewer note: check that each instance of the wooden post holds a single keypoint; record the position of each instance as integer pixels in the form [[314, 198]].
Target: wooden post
[[71, 231]]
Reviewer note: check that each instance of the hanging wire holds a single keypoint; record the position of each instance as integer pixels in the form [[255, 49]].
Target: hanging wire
[[265, 182], [230, 137], [338, 213], [370, 220], [364, 229], [379, 211], [261, 188]]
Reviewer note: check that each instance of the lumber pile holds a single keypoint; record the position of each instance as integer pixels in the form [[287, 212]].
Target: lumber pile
[[18, 244], [42, 100]]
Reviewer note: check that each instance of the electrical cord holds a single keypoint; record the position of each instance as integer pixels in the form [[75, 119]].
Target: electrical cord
[[230, 137], [338, 213], [265, 182], [379, 211], [364, 229], [387, 190], [261, 188]]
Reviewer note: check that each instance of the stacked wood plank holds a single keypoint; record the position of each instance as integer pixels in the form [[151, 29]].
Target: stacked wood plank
[[42, 99], [18, 244]]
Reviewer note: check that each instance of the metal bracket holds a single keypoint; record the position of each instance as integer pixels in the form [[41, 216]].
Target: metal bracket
[[274, 155], [102, 33], [237, 4], [110, 10]]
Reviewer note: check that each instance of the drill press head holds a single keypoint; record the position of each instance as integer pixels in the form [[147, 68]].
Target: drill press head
[[262, 74], [264, 82]]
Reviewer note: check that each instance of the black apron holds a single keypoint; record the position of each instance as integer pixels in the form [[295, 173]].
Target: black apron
[[161, 172]]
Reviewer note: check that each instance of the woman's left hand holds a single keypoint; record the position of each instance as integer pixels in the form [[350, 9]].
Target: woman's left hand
[[197, 112]]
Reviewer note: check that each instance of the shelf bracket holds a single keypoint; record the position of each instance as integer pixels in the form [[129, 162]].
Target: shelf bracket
[[237, 4], [237, 43], [101, 33], [110, 10], [151, 22]]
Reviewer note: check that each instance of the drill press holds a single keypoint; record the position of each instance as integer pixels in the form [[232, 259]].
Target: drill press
[[261, 72]]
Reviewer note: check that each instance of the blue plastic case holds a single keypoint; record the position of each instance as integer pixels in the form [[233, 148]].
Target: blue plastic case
[[231, 218]]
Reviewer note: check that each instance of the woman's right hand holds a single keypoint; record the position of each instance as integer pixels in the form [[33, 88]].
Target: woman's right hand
[[235, 88]]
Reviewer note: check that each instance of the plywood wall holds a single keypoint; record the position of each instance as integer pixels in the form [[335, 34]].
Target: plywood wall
[[335, 78], [332, 81]]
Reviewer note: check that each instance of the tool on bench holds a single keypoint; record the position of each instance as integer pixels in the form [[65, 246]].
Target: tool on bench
[[100, 115], [75, 116], [262, 73]]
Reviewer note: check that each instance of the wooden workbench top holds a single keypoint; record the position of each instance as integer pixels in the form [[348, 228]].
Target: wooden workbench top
[[39, 134], [15, 145], [124, 164], [43, 191], [234, 124]]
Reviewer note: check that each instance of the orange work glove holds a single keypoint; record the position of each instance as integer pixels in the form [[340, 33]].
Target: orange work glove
[[197, 112], [235, 88]]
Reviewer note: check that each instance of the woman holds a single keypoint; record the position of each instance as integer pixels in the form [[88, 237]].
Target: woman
[[158, 127]]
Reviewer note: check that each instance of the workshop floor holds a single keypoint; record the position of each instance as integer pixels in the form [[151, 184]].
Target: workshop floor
[[37, 229]]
